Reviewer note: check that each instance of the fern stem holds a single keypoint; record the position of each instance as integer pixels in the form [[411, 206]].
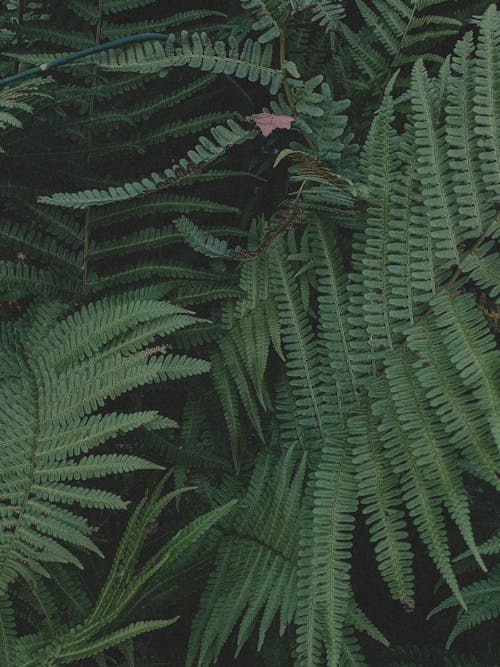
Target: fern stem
[[20, 21], [88, 211], [399, 49], [22, 506], [286, 86]]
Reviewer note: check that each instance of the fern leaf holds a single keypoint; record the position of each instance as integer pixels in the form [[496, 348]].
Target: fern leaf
[[7, 632], [465, 332], [335, 334], [57, 387], [251, 61], [206, 151], [466, 423], [76, 650], [487, 96], [19, 280], [432, 446], [433, 171], [326, 12], [418, 493], [301, 349], [483, 268], [200, 241], [271, 16], [255, 560], [326, 542], [483, 604], [381, 166], [474, 202], [380, 498]]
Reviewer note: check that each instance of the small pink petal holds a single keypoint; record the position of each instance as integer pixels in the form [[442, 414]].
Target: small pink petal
[[268, 122], [21, 256]]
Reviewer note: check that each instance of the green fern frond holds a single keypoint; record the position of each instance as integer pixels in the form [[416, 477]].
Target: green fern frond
[[7, 632], [156, 203], [433, 448], [464, 421], [326, 12], [181, 128], [36, 245], [380, 497], [238, 369], [395, 32], [151, 106], [475, 205], [472, 347], [67, 371], [17, 101], [59, 224], [433, 171], [301, 349], [149, 269], [194, 294], [483, 267], [270, 17], [117, 6], [430, 656], [251, 61], [487, 96], [17, 279], [206, 151], [352, 654], [381, 166], [255, 564], [334, 328], [417, 491], [178, 20], [124, 586], [144, 239], [325, 544], [483, 604], [200, 240]]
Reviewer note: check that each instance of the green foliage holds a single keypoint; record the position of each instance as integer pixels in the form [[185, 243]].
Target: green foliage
[[324, 297], [392, 35], [18, 101], [255, 568], [124, 583], [61, 373], [252, 61]]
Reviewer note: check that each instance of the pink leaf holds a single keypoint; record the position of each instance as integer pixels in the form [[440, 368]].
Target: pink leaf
[[268, 122]]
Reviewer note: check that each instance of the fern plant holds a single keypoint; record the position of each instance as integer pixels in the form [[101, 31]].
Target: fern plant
[[402, 367], [127, 577], [107, 121], [346, 311], [379, 38], [61, 368]]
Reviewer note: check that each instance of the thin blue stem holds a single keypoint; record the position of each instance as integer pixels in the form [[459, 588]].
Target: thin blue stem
[[141, 37], [62, 60]]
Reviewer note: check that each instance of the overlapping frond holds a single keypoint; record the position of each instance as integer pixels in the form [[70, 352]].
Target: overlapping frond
[[251, 61], [255, 572], [68, 369], [206, 151], [393, 33], [124, 585], [353, 376], [483, 604]]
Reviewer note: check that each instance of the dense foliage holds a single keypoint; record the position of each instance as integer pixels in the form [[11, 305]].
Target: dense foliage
[[249, 378]]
